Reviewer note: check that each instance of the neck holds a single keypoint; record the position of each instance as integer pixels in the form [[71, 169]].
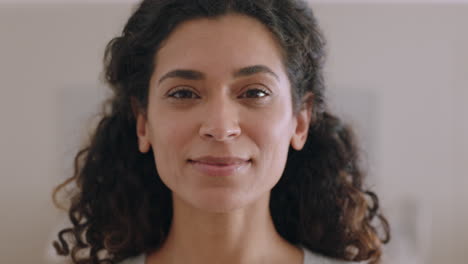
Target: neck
[[246, 235]]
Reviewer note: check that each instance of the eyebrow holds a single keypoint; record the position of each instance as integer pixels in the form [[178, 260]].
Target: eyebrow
[[197, 75]]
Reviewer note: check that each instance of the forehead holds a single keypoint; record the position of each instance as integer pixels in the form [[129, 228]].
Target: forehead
[[219, 46]]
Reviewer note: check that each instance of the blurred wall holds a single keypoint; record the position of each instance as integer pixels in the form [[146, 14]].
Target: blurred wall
[[398, 73]]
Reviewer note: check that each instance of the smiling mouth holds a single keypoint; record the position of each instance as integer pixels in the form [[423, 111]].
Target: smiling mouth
[[220, 169]]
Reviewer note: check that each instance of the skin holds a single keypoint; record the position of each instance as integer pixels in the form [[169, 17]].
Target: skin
[[221, 112]]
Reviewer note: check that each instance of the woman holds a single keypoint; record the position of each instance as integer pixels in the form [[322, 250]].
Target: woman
[[217, 146]]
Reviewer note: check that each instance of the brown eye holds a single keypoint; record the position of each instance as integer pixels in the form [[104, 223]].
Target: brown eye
[[183, 94], [255, 93]]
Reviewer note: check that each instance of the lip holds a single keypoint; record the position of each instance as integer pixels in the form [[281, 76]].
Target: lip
[[219, 166], [213, 160]]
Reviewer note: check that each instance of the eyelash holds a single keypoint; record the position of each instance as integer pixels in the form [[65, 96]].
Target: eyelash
[[172, 94]]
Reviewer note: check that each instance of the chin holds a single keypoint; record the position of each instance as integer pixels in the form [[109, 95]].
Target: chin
[[220, 202]]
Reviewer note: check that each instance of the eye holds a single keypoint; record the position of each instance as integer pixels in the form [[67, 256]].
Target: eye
[[183, 93], [255, 93]]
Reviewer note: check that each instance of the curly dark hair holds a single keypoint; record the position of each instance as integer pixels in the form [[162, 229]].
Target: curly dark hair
[[122, 208]]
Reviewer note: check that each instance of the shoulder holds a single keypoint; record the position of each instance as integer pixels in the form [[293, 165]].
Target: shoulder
[[315, 258], [140, 259]]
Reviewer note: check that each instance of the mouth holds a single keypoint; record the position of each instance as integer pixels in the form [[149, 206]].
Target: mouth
[[220, 166]]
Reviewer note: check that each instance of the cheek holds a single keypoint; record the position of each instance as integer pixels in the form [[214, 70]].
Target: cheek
[[170, 135], [169, 130], [272, 137], [275, 125]]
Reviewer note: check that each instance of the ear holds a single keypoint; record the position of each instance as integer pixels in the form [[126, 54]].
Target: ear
[[141, 127], [303, 119]]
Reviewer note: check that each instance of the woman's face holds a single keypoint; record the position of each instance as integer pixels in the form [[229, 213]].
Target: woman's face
[[219, 116]]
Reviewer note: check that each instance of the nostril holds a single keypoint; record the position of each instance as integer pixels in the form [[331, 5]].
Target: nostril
[[220, 134]]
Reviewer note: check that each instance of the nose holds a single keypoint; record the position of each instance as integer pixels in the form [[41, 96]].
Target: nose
[[220, 121]]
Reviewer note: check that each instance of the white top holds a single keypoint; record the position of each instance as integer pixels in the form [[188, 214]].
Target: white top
[[309, 258]]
